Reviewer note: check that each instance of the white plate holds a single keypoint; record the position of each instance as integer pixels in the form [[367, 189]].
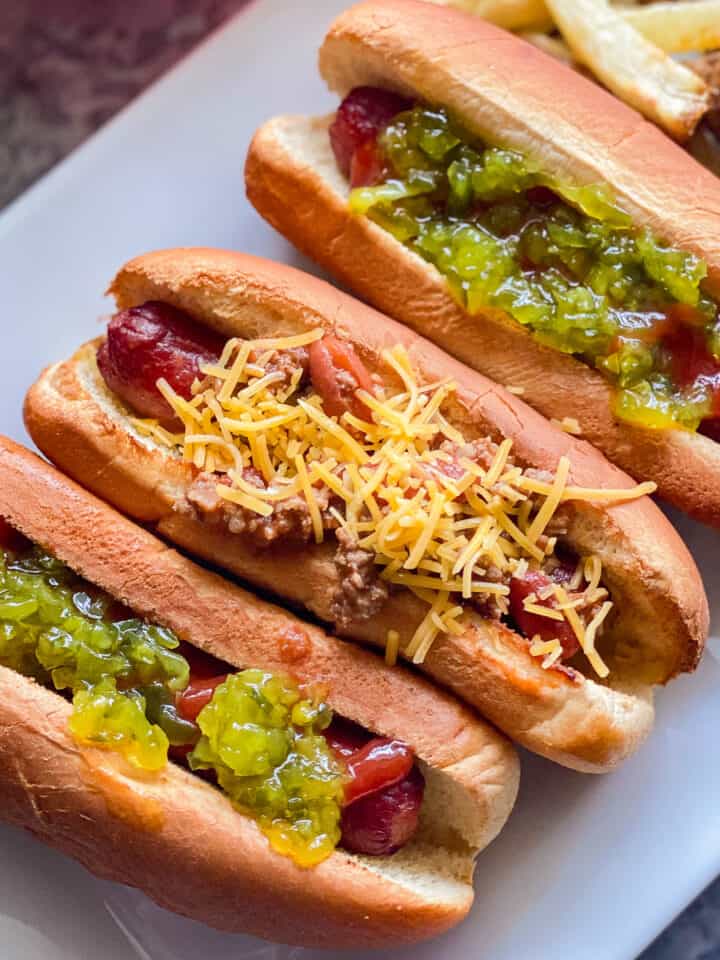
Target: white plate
[[588, 867]]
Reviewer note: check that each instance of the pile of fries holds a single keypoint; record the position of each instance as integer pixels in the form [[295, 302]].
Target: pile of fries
[[629, 48]]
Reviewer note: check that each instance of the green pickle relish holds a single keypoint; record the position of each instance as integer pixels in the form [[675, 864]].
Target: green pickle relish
[[259, 734], [565, 261], [58, 629], [264, 743]]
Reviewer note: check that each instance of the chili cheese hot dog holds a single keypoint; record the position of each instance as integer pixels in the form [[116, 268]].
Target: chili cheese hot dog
[[517, 214], [270, 424], [341, 836]]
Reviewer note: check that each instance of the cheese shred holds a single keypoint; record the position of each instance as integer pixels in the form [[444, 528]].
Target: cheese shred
[[449, 520], [392, 646]]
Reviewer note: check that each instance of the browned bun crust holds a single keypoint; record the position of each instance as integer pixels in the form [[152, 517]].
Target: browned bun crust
[[661, 603], [180, 842], [505, 90], [501, 87], [179, 839]]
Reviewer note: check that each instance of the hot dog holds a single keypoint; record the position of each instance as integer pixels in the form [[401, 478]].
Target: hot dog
[[522, 218], [115, 651], [454, 526]]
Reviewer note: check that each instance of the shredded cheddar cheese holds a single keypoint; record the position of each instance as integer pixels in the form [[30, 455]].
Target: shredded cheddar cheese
[[568, 425], [549, 650], [446, 526], [392, 645]]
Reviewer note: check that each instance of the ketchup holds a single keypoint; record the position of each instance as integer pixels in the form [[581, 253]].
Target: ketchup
[[691, 362], [198, 694], [384, 788], [376, 766], [678, 330], [384, 791], [329, 359], [206, 674], [367, 166], [373, 763], [534, 624], [361, 116], [345, 737]]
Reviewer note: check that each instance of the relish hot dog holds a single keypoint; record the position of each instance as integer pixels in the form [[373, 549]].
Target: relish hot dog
[[116, 652], [518, 215], [335, 458]]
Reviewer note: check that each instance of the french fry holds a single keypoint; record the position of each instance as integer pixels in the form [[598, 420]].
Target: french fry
[[678, 27], [510, 14], [693, 25], [633, 68]]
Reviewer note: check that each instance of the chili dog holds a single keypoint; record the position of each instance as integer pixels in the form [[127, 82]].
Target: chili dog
[[333, 457], [518, 215], [273, 715]]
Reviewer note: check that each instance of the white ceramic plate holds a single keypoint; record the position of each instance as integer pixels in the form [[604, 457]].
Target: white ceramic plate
[[588, 867]]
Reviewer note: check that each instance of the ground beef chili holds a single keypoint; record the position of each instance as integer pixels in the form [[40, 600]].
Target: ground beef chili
[[155, 340], [286, 362], [289, 522], [361, 593]]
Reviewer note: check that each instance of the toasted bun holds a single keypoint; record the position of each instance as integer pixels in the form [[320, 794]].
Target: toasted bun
[[179, 839], [505, 90], [662, 610]]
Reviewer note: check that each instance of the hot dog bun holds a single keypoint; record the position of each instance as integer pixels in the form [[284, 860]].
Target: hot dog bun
[[662, 609], [503, 89], [176, 837]]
